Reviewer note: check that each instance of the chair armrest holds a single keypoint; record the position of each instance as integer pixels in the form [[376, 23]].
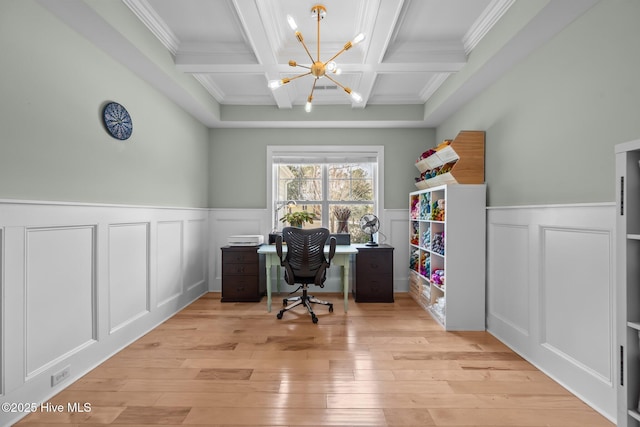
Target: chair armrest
[[332, 248], [279, 247]]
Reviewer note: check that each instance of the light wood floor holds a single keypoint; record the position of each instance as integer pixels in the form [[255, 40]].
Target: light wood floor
[[231, 364]]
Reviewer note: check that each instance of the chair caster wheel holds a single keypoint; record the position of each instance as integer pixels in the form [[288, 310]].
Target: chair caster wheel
[[279, 315], [284, 302], [314, 319], [331, 308]]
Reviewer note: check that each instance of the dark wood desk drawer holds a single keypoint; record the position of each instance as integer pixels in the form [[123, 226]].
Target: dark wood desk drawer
[[243, 277], [375, 263], [239, 255], [241, 269], [240, 288], [375, 289], [374, 274]]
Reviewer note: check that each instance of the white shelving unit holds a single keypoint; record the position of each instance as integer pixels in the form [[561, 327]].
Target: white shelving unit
[[628, 282], [452, 242]]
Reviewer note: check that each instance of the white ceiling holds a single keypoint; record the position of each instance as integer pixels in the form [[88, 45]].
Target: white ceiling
[[234, 47]]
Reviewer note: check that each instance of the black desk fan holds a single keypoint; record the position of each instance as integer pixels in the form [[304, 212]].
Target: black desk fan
[[370, 224]]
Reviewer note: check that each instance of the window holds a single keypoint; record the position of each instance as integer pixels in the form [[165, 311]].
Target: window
[[337, 187]]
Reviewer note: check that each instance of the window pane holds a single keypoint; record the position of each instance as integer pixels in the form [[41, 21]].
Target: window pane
[[351, 182], [310, 189], [299, 182]]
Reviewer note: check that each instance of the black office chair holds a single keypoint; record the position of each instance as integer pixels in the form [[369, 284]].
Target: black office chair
[[305, 263]]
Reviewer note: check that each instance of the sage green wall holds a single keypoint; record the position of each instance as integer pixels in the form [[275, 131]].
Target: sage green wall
[[552, 122], [238, 164], [53, 146]]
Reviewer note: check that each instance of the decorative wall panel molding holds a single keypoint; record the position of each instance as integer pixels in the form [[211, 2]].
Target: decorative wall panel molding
[[60, 309], [196, 252], [395, 232], [550, 294], [169, 266], [509, 305], [575, 260], [80, 282], [128, 273], [2, 335]]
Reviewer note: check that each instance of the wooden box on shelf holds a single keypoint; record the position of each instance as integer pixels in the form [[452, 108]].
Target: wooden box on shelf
[[465, 158]]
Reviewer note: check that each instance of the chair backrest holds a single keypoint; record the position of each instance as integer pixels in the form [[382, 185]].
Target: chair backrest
[[305, 250]]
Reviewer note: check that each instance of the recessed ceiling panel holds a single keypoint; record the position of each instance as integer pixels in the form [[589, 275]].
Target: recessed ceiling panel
[[437, 20], [200, 21], [340, 25], [400, 88], [240, 89]]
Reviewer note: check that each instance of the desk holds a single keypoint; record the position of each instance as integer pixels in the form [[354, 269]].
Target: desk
[[341, 257]]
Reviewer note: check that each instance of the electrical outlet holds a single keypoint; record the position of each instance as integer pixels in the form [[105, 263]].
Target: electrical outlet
[[61, 375]]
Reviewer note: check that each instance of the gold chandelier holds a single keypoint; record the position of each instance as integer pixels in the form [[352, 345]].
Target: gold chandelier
[[318, 69]]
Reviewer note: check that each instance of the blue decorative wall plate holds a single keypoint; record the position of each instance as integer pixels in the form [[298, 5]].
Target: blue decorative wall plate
[[117, 121]]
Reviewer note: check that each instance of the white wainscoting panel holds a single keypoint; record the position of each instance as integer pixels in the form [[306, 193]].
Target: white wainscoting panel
[[2, 299], [550, 293], [60, 288], [169, 267], [128, 273], [394, 231], [79, 282], [196, 252], [509, 304], [572, 262]]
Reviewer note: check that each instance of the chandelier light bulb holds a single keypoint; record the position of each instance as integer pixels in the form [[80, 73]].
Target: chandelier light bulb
[[356, 97], [331, 66], [292, 23], [275, 84], [307, 107], [359, 38]]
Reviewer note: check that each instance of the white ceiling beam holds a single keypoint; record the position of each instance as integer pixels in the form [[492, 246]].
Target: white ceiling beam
[[256, 31], [385, 17]]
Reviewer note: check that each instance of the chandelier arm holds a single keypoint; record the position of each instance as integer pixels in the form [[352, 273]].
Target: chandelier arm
[[318, 60], [336, 82], [306, 49], [313, 88], [299, 75], [336, 55]]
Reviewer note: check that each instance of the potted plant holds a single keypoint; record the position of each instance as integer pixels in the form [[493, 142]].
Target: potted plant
[[297, 219]]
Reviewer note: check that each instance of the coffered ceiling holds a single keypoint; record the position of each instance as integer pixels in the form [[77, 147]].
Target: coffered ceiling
[[412, 50]]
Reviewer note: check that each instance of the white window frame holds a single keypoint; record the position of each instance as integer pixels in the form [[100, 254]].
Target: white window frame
[[323, 152]]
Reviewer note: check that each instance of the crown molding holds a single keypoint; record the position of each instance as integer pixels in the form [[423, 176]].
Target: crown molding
[[484, 23], [143, 10]]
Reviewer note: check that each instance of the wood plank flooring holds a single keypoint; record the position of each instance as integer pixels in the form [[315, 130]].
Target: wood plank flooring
[[216, 364]]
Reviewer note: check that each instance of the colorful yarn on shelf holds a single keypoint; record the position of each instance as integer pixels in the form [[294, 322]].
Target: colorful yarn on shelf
[[437, 245]]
